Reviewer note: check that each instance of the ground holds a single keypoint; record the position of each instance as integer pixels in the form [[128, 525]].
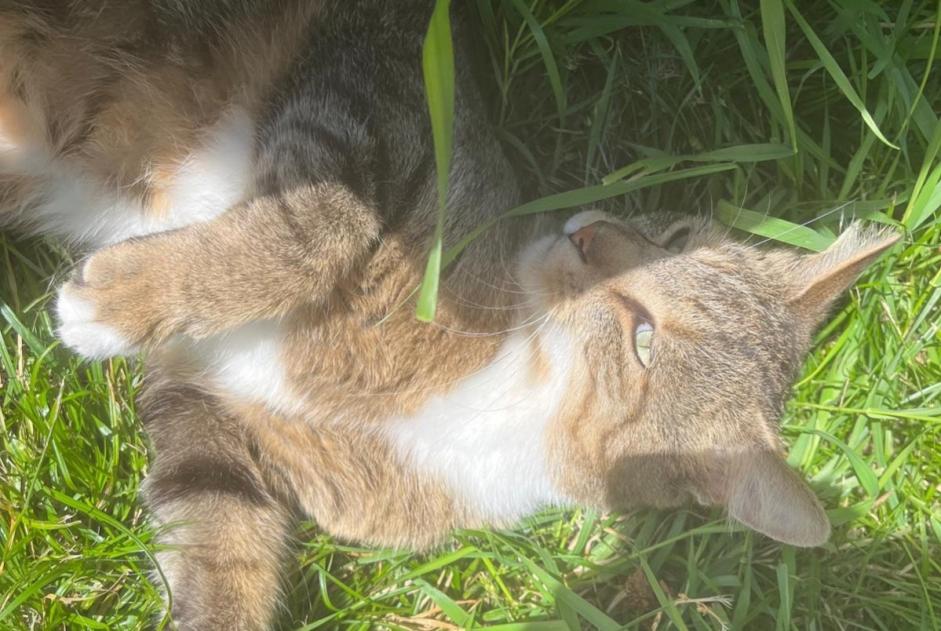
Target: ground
[[766, 115]]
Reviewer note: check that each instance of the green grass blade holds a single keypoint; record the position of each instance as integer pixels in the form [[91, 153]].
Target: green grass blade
[[765, 225], [428, 291], [23, 331], [438, 68], [849, 514], [548, 625], [682, 45], [445, 603], [743, 154], [441, 561], [581, 197], [560, 592], [864, 473], [665, 602], [785, 594], [773, 28], [919, 206], [600, 114], [839, 77], [548, 59]]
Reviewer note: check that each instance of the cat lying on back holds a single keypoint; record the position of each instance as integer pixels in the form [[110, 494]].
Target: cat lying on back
[[262, 176]]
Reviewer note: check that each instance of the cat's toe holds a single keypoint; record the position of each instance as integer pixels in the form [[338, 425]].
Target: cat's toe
[[82, 332]]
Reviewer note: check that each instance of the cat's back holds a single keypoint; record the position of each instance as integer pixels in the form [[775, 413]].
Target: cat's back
[[124, 93], [107, 109], [356, 95]]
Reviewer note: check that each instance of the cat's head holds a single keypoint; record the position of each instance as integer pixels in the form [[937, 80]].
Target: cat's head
[[683, 346]]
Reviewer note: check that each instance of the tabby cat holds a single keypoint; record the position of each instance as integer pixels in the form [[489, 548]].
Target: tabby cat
[[254, 182]]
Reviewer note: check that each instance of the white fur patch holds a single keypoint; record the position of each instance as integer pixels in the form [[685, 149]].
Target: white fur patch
[[584, 218], [246, 362], [72, 207], [79, 331], [486, 438], [218, 175]]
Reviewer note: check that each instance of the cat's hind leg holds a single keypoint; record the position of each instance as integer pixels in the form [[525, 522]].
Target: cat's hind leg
[[223, 533]]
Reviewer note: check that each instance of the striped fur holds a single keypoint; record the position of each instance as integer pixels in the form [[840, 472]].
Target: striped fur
[[272, 166]]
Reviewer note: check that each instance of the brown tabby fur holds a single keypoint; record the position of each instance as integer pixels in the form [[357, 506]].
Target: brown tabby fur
[[118, 87], [619, 440], [124, 90]]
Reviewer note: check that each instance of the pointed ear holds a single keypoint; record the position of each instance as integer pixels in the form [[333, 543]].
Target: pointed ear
[[823, 277], [766, 495]]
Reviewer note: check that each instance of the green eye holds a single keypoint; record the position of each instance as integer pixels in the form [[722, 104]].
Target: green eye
[[643, 338]]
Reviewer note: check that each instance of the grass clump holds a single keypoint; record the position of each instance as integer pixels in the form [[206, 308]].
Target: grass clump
[[807, 113]]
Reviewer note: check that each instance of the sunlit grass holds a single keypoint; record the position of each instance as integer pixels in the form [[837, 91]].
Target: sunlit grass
[[579, 91]]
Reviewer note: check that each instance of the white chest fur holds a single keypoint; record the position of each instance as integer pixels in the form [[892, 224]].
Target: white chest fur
[[215, 176], [486, 438]]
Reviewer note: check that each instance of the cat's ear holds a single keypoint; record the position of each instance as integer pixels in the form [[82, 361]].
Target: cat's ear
[[765, 494], [761, 491], [823, 277]]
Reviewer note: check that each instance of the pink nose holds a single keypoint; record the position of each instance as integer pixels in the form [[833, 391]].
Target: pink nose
[[582, 238]]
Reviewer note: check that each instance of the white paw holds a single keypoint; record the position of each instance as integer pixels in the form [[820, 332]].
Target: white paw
[[79, 330], [586, 218]]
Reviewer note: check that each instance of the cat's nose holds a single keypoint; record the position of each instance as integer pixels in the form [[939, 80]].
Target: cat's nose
[[581, 239], [581, 229]]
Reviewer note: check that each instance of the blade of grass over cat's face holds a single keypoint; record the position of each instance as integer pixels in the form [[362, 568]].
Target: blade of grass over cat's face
[[582, 197], [774, 228], [438, 67], [740, 153]]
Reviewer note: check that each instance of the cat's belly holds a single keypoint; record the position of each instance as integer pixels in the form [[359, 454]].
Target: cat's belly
[[247, 365], [486, 438], [64, 202]]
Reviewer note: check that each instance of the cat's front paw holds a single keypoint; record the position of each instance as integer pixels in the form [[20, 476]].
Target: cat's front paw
[[80, 329], [110, 307]]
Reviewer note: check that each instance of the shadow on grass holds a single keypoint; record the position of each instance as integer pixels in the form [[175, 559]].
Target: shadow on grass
[[643, 569]]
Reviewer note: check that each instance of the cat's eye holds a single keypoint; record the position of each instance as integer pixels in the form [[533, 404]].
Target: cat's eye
[[677, 241], [643, 339]]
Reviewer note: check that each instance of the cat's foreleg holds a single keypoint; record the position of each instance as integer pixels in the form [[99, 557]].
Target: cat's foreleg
[[222, 531], [258, 260]]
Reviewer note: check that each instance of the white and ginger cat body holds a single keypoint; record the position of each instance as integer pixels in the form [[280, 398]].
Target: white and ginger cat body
[[256, 183], [493, 436]]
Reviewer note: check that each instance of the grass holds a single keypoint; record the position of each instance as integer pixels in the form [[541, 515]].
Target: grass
[[791, 113]]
